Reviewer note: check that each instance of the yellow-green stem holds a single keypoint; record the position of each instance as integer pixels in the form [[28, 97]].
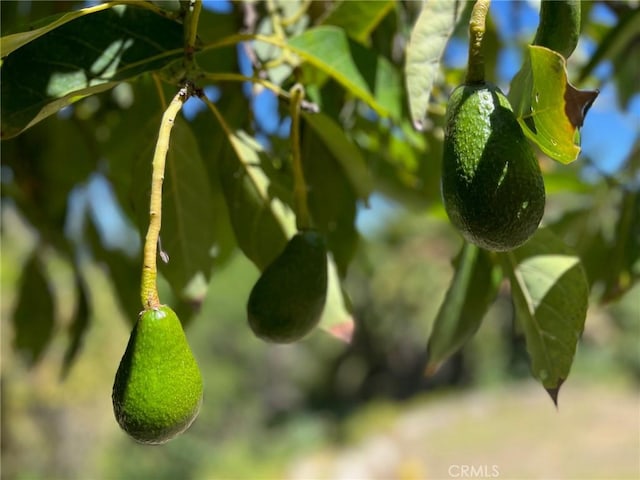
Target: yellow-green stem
[[303, 218], [149, 288], [191, 27], [475, 68]]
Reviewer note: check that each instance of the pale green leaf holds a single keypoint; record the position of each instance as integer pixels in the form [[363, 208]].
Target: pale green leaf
[[428, 40], [550, 110], [358, 17], [360, 71]]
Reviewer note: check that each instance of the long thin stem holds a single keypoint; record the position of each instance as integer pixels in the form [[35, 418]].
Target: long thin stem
[[303, 218], [475, 68], [191, 26], [149, 288], [237, 77]]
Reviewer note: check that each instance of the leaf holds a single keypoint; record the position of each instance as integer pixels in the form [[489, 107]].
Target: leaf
[[62, 66], [187, 234], [79, 325], [16, 40], [33, 317], [550, 294], [331, 198], [428, 40], [357, 17], [345, 152], [474, 286], [336, 318], [259, 230], [550, 110], [361, 71]]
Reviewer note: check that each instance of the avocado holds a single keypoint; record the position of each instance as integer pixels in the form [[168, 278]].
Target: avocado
[[492, 187], [157, 390], [287, 301]]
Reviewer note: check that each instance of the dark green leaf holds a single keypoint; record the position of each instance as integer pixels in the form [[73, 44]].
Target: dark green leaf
[[33, 317], [16, 40], [123, 271], [60, 67], [79, 325], [187, 234], [256, 217], [474, 286], [426, 45], [550, 293], [344, 151], [331, 198]]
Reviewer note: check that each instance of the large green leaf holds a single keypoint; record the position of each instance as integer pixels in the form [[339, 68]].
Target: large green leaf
[[550, 110], [84, 56], [187, 233], [33, 317], [358, 17], [550, 294], [428, 40], [331, 197], [348, 155], [359, 70], [257, 218], [474, 286]]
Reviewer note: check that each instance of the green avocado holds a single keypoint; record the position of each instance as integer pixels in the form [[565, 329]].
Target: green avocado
[[157, 390], [492, 187], [287, 301]]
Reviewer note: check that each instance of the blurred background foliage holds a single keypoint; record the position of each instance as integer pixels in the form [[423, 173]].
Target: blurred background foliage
[[320, 408]]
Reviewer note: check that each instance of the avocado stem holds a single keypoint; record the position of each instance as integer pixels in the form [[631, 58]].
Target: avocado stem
[[148, 287], [475, 64], [303, 218]]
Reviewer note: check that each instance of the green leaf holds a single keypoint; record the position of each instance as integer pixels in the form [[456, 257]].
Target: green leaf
[[336, 318], [256, 217], [345, 152], [428, 40], [187, 234], [61, 66], [122, 270], [359, 70], [33, 317], [550, 110], [550, 294], [331, 198], [79, 325], [263, 224], [16, 40], [474, 286], [358, 17]]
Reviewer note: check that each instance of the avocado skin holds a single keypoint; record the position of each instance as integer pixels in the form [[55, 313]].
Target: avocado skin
[[287, 301], [157, 390], [492, 187]]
